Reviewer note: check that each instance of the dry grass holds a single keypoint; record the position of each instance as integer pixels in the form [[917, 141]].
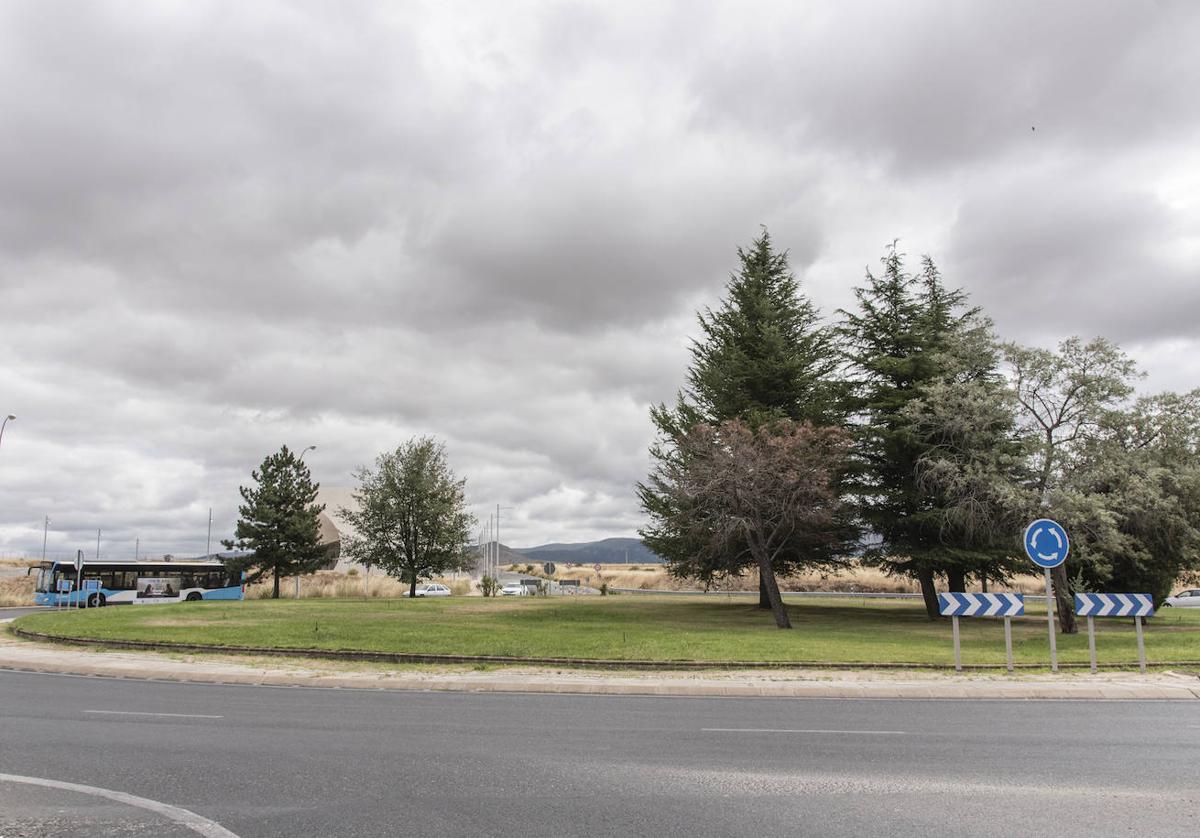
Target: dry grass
[[656, 577], [334, 585], [17, 590]]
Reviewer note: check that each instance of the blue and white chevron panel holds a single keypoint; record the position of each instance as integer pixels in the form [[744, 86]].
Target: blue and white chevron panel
[[981, 605], [1114, 605]]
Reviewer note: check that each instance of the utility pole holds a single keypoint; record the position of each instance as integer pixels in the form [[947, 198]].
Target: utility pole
[[497, 538], [137, 548], [208, 543], [45, 531], [97, 545]]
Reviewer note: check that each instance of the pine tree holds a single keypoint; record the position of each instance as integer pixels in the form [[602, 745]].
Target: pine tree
[[916, 350], [279, 520], [763, 356]]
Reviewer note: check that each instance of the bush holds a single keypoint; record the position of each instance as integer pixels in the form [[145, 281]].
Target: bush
[[489, 586]]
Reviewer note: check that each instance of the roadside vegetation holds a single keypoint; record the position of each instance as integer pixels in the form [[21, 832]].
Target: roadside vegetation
[[943, 443], [627, 627]]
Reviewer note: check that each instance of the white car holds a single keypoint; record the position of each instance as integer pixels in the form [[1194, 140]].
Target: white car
[[1184, 599], [513, 589], [433, 589]]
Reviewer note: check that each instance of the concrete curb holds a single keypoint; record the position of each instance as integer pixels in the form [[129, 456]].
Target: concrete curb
[[574, 663], [37, 657]]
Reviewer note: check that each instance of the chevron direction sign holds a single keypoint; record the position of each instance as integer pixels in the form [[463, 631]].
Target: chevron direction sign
[[1114, 605], [981, 605]]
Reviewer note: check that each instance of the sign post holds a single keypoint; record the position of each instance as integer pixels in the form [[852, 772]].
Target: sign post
[[64, 587], [1115, 605], [981, 605], [1047, 545], [79, 572]]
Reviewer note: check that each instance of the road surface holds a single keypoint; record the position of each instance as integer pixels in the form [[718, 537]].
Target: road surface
[[263, 761]]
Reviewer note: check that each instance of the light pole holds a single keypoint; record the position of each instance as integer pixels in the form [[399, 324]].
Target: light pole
[[301, 461], [7, 419], [45, 532]]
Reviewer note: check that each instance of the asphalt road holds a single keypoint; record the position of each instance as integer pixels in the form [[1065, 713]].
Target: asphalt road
[[11, 613], [264, 761]]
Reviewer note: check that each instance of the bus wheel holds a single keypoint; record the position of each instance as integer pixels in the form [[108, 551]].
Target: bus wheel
[[194, 596], [96, 601]]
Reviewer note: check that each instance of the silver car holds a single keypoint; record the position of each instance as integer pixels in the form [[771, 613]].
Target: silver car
[[433, 589], [1184, 599]]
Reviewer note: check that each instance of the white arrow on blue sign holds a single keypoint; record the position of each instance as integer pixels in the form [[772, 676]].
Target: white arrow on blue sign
[[981, 605], [1114, 605], [1046, 543]]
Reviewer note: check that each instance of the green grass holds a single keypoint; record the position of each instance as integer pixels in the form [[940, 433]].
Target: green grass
[[654, 628]]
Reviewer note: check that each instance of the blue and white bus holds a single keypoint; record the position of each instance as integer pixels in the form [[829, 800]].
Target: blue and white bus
[[137, 583]]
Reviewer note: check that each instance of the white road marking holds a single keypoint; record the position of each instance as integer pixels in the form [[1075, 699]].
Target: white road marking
[[796, 730], [194, 822], [167, 715]]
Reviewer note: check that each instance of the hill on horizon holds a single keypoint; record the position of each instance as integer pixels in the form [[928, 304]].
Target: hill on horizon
[[604, 551]]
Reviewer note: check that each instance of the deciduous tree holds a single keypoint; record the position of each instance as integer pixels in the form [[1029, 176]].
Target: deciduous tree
[[1064, 398], [759, 495], [411, 518]]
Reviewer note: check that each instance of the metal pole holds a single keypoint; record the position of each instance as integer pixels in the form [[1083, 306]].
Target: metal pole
[[497, 537], [79, 572], [208, 543], [1050, 622], [1137, 621], [1008, 642], [97, 545], [1092, 641], [7, 419], [45, 532], [137, 548], [957, 651]]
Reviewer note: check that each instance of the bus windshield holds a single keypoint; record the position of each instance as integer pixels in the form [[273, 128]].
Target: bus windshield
[[43, 578]]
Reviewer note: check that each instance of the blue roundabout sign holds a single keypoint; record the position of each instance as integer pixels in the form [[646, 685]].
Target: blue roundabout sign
[[1046, 543]]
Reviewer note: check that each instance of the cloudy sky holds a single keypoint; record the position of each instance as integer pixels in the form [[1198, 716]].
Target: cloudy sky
[[229, 226]]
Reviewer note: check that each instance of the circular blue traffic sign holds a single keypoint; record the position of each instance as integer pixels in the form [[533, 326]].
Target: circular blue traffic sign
[[1046, 543]]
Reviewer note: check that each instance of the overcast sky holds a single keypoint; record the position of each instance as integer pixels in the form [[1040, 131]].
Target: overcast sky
[[229, 226]]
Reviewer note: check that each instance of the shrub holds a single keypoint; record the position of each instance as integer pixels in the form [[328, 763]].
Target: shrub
[[489, 586]]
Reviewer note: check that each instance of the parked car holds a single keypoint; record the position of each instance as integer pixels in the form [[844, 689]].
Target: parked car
[[433, 589], [514, 589], [1184, 599]]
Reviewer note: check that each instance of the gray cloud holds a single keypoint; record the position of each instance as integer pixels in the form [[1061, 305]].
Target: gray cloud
[[224, 226]]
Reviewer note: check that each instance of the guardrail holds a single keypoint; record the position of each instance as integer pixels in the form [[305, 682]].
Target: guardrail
[[815, 594]]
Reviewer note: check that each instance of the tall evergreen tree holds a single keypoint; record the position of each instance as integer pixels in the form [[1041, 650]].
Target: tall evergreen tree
[[913, 338], [763, 356], [279, 520]]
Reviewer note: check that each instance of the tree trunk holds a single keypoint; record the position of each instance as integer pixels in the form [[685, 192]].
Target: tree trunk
[[929, 592], [956, 580], [766, 578], [983, 581], [1066, 603], [412, 587], [275, 592], [764, 601]]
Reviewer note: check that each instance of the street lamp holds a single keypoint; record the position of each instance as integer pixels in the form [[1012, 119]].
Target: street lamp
[[306, 450], [7, 419]]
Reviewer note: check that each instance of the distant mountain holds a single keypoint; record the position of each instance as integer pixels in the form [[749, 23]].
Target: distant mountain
[[605, 551]]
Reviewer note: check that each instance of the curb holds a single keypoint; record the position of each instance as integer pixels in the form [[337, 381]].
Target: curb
[[574, 663], [36, 658]]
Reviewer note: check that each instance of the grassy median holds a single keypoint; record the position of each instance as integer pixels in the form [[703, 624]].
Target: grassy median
[[620, 628]]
